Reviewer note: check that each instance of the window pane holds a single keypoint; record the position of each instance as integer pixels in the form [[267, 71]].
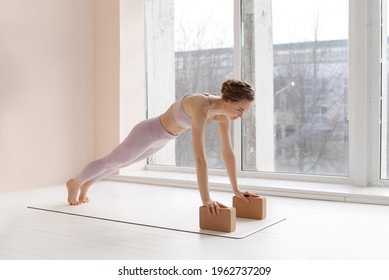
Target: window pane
[[295, 55], [189, 50]]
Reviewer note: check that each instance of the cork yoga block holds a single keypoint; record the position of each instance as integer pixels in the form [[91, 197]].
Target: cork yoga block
[[256, 209], [225, 221]]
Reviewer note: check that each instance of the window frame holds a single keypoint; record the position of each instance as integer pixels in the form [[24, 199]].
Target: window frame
[[375, 25]]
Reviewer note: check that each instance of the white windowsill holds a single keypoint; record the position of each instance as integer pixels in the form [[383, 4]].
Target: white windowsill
[[307, 190]]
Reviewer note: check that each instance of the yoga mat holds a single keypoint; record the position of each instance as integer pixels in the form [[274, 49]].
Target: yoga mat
[[150, 206]]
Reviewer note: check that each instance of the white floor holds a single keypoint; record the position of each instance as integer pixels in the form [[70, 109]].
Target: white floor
[[313, 230]]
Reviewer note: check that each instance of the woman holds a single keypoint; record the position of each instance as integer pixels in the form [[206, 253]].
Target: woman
[[193, 111]]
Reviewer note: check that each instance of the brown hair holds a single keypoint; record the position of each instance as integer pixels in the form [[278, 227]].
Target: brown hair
[[235, 90]]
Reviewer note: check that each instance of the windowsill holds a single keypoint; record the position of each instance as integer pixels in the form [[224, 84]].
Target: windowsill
[[306, 190]]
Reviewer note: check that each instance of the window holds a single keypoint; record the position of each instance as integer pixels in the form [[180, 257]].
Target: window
[[190, 49], [297, 60], [313, 64]]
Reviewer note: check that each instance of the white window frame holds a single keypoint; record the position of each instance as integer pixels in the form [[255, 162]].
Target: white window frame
[[363, 102], [374, 24]]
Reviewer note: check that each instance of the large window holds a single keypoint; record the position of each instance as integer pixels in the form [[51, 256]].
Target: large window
[[312, 64], [190, 49], [295, 54]]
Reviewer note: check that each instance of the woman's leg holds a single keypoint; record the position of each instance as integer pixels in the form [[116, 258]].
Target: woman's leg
[[83, 198], [145, 139], [146, 154]]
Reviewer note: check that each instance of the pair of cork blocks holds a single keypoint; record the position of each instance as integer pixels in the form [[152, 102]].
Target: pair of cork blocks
[[226, 220]]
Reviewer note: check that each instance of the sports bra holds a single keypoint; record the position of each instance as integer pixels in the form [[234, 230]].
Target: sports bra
[[181, 117]]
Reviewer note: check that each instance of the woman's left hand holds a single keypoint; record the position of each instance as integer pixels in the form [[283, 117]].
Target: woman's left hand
[[243, 195]]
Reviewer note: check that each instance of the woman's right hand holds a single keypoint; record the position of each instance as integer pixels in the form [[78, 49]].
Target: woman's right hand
[[244, 195], [213, 207]]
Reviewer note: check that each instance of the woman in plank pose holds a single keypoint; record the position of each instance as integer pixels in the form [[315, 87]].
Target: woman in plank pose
[[193, 111]]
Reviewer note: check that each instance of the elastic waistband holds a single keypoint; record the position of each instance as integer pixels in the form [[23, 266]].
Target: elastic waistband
[[161, 130]]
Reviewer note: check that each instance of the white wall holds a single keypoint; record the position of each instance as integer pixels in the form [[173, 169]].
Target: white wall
[[107, 57], [132, 69], [59, 87], [46, 90]]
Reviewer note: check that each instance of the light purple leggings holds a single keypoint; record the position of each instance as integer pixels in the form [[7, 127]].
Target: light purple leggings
[[145, 139]]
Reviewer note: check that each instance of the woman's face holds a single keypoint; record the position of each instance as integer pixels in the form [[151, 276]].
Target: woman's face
[[236, 110]]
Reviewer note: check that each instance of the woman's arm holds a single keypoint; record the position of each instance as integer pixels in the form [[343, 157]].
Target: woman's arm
[[229, 156], [227, 151], [199, 121], [198, 143]]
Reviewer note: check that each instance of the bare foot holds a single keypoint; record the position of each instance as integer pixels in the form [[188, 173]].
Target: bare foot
[[73, 189], [83, 198]]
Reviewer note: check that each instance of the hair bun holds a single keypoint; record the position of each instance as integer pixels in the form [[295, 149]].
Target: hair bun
[[236, 90]]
